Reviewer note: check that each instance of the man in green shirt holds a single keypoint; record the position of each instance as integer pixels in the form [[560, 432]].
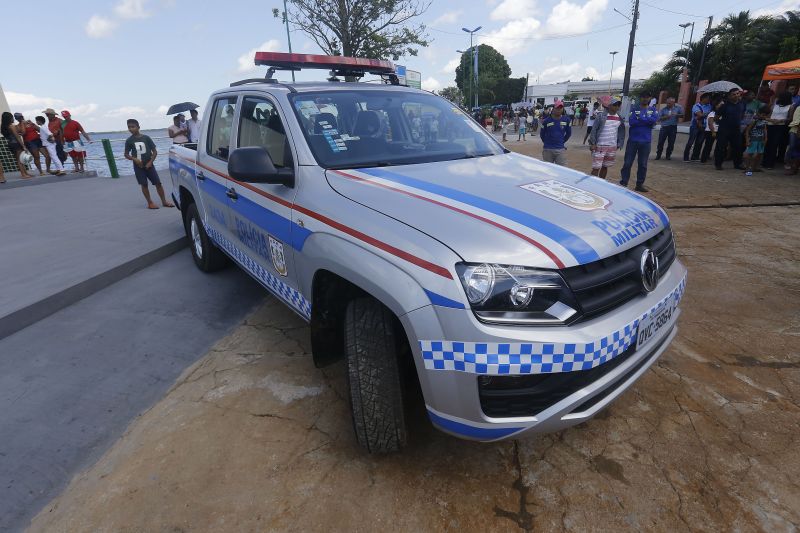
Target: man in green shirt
[[142, 151]]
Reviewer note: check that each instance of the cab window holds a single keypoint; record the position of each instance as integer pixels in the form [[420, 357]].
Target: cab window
[[261, 125], [219, 133]]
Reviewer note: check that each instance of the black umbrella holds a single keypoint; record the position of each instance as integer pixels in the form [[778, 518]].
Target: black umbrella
[[180, 108]]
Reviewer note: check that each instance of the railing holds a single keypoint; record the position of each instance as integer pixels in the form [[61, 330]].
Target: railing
[[110, 158]]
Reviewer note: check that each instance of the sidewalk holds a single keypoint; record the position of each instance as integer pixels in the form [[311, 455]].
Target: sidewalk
[[64, 239]]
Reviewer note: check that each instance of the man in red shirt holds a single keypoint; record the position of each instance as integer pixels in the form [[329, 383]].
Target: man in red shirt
[[72, 140]]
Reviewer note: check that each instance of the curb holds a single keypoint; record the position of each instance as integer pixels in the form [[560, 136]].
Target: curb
[[36, 311], [44, 180]]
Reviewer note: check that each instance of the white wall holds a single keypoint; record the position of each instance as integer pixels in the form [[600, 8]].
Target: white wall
[[3, 102]]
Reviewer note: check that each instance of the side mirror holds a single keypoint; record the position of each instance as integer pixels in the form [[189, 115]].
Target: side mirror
[[252, 164]]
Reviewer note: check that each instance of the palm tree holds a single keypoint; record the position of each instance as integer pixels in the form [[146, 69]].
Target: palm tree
[[688, 57]]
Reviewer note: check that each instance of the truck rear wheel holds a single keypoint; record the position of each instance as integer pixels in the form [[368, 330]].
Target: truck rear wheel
[[373, 376], [206, 255]]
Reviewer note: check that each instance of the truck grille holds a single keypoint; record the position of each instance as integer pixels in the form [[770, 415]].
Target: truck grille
[[608, 283]]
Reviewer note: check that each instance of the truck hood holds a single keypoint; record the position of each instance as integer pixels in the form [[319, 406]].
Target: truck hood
[[508, 209]]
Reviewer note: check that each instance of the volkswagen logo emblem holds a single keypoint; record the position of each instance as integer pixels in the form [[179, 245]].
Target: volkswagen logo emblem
[[649, 269]]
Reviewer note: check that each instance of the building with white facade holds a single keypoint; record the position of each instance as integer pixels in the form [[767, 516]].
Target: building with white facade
[[580, 90]]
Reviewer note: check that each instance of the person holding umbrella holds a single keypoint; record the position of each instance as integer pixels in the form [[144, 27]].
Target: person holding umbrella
[[728, 118], [194, 124], [179, 130]]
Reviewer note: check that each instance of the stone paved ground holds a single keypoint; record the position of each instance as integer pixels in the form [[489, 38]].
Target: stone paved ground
[[254, 438]]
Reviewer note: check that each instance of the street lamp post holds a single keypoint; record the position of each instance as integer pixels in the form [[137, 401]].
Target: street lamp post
[[684, 26], [611, 75], [475, 65]]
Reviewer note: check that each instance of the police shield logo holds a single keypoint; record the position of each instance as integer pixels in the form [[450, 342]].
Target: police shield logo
[[568, 195], [278, 259]]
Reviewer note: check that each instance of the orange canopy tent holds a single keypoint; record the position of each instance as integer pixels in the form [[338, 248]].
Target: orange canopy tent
[[783, 71]]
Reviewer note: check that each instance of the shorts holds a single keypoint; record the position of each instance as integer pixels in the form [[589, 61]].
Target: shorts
[[35, 144], [755, 147], [522, 131], [604, 156], [75, 148], [144, 174]]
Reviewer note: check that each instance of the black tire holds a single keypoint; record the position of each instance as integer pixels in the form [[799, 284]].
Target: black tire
[[206, 255], [373, 376]]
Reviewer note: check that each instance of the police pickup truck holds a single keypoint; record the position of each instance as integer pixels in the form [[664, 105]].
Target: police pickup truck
[[523, 297]]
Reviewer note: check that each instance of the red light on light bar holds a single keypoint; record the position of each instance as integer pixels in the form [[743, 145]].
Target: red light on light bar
[[284, 60]]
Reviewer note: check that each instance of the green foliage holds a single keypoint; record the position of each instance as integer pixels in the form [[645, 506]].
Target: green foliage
[[492, 67], [738, 50], [379, 29], [453, 94]]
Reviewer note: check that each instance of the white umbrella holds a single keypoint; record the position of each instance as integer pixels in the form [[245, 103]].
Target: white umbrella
[[718, 87]]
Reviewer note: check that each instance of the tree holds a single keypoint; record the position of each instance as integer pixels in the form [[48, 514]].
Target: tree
[[492, 66], [379, 29], [453, 94]]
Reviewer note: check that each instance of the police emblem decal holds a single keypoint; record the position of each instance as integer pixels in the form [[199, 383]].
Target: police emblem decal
[[278, 258], [568, 195]]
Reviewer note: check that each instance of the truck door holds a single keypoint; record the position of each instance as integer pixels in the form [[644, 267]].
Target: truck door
[[212, 168], [262, 213]]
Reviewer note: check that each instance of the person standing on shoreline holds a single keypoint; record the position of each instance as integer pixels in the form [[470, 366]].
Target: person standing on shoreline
[[49, 148], [72, 140], [141, 150], [54, 125], [194, 124]]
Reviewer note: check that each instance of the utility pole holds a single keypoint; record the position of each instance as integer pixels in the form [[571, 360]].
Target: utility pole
[[288, 37], [703, 56], [626, 83]]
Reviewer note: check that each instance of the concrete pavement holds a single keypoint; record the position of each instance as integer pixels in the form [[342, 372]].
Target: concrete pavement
[[62, 241]]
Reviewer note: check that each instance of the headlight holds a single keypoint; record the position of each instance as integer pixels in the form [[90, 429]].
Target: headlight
[[505, 294]]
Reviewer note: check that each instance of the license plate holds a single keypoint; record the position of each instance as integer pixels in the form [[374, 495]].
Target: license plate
[[661, 318]]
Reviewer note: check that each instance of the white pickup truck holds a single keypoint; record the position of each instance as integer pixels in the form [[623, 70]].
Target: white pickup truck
[[522, 297]]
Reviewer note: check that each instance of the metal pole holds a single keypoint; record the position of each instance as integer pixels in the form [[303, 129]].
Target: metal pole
[[476, 53], [288, 38], [626, 83], [112, 165], [471, 66], [703, 56]]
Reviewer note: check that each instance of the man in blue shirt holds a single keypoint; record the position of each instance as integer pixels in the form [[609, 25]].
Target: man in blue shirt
[[640, 122], [668, 117], [555, 132], [728, 119], [697, 128]]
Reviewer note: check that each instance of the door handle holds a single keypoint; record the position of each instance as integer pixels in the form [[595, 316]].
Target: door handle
[[230, 193], [200, 176]]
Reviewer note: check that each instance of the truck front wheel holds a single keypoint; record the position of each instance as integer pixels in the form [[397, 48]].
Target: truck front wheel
[[373, 376], [207, 257]]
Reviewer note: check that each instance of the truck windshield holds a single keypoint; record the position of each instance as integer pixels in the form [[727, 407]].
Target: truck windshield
[[366, 128]]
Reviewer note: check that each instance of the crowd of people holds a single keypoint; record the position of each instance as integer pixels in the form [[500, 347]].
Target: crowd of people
[[756, 131], [53, 138]]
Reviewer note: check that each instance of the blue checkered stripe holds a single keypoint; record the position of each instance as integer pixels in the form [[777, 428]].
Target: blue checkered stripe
[[283, 291], [534, 358]]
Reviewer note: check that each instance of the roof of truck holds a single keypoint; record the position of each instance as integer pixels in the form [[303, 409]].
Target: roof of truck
[[315, 86]]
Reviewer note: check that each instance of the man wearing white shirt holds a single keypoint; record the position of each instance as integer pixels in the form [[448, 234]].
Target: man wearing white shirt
[[194, 125]]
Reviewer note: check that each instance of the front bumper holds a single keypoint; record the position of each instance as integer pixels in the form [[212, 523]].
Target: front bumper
[[449, 370]]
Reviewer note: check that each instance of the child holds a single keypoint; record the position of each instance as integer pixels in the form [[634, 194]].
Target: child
[[755, 137], [522, 129], [607, 136], [142, 151]]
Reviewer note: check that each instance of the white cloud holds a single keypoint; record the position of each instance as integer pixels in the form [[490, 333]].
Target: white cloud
[[83, 109], [162, 110], [448, 17], [31, 100], [559, 73], [643, 68], [431, 84], [99, 27], [513, 9], [514, 36], [450, 67], [568, 18], [132, 9], [125, 111], [246, 59], [786, 5]]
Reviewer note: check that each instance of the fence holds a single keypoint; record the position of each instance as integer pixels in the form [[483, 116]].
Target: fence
[[107, 156]]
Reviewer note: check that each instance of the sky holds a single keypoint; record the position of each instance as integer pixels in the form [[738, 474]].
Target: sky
[[107, 61]]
